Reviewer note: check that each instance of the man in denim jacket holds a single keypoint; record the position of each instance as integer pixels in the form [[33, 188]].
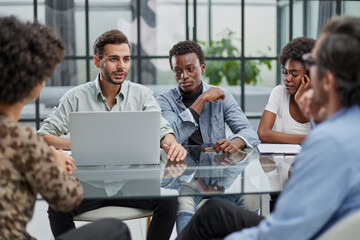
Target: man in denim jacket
[[196, 111]]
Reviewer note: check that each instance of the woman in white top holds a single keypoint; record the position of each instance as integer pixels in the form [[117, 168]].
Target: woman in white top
[[291, 126]]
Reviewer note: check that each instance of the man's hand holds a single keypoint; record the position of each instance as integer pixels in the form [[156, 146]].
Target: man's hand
[[305, 85], [175, 151], [213, 94], [227, 146], [310, 109], [64, 160]]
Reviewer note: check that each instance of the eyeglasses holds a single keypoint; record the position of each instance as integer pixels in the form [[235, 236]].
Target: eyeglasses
[[308, 61]]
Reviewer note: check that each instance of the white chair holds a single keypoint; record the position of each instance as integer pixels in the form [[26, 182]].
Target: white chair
[[122, 213], [346, 229]]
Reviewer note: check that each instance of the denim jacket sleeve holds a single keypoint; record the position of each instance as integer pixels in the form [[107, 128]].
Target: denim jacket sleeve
[[238, 123], [179, 117]]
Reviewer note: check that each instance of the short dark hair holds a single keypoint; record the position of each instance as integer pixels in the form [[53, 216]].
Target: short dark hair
[[185, 47], [109, 37], [295, 49], [29, 53], [339, 53]]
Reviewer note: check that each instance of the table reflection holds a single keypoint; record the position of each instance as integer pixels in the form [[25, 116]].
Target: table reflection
[[201, 175], [277, 169], [120, 181], [204, 172]]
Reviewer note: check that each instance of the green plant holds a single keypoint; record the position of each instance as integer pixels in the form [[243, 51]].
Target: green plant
[[230, 69]]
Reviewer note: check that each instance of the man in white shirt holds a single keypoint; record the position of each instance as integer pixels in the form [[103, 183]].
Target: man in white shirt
[[111, 92]]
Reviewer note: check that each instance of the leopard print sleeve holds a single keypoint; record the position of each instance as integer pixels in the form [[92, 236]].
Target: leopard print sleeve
[[62, 191]]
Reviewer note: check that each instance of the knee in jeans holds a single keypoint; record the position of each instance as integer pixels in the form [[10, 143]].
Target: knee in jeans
[[186, 204]]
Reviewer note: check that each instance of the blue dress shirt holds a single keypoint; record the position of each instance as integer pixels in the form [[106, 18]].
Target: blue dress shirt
[[324, 186]]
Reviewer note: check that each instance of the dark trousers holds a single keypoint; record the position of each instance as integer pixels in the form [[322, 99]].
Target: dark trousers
[[274, 198], [104, 229], [161, 224], [217, 219]]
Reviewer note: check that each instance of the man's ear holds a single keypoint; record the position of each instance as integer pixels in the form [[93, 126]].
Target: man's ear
[[329, 81], [96, 61], [203, 68]]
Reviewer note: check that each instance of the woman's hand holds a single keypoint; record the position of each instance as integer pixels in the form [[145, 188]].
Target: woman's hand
[[305, 85], [64, 160]]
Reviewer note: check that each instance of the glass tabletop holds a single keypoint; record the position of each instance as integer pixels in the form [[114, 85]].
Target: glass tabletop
[[202, 173]]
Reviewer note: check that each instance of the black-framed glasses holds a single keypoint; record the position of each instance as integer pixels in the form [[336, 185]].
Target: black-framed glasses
[[308, 61]]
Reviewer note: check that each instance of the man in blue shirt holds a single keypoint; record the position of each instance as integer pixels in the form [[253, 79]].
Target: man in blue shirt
[[325, 183], [196, 111]]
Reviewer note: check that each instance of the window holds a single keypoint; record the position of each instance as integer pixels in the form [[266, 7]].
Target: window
[[258, 29]]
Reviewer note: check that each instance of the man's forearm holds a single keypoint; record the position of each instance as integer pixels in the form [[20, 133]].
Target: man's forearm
[[57, 142], [199, 104]]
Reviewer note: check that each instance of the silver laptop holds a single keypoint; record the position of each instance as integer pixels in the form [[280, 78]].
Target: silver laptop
[[115, 138]]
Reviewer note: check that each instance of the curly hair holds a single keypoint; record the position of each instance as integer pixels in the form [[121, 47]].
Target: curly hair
[[109, 37], [185, 47], [295, 49], [339, 53], [29, 53]]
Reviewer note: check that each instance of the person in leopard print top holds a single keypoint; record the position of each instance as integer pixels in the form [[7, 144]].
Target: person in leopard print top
[[28, 167], [29, 53]]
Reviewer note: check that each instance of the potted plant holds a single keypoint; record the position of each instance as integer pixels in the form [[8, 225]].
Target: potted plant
[[216, 71]]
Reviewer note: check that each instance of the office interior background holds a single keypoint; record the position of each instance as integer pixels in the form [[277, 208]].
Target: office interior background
[[242, 40]]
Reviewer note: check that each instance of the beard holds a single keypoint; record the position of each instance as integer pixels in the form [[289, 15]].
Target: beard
[[107, 77]]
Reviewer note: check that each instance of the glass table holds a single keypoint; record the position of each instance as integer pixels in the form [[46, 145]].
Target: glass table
[[202, 173]]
